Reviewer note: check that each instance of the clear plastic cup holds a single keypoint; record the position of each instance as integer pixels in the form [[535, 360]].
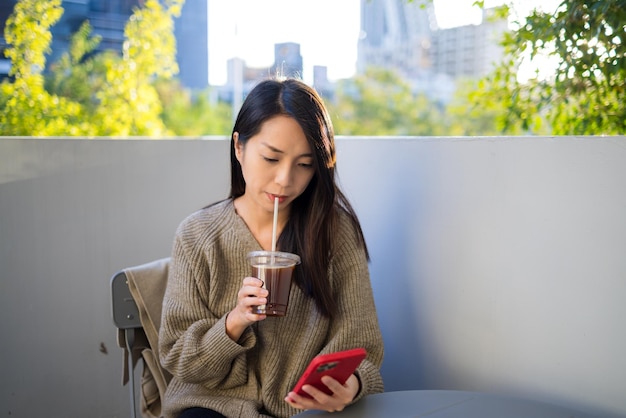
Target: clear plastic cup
[[275, 269]]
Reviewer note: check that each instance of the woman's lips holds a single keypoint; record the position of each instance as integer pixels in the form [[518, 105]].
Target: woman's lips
[[281, 199]]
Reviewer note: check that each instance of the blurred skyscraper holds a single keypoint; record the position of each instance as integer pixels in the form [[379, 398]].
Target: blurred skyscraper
[[470, 50], [404, 37], [395, 34], [287, 60], [6, 8], [192, 44], [241, 78]]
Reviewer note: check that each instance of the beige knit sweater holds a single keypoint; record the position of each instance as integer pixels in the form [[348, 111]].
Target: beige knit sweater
[[250, 378]]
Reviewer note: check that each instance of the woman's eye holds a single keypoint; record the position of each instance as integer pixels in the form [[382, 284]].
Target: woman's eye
[[270, 160], [306, 165]]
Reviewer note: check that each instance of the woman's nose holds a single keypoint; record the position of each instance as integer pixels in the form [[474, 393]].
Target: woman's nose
[[283, 175]]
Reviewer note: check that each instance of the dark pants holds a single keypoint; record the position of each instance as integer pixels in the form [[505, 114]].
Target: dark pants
[[200, 413]]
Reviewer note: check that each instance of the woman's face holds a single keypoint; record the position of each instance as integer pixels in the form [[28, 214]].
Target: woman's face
[[276, 162]]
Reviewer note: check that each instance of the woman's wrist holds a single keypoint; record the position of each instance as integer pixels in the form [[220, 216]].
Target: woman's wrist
[[358, 391], [234, 329]]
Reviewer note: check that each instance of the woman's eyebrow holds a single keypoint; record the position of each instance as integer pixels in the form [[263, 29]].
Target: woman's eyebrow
[[274, 149]]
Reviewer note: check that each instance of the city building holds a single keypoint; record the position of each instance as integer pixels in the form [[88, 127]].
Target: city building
[[396, 34], [6, 8], [240, 78], [287, 60], [321, 83], [469, 51], [404, 37], [108, 19], [192, 44]]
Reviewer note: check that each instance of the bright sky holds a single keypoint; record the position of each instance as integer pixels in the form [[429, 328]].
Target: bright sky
[[327, 31]]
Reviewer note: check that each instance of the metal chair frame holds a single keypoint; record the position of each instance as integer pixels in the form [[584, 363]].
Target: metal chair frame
[[126, 317]]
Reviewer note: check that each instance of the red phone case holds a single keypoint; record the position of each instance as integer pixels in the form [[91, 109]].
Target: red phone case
[[339, 365]]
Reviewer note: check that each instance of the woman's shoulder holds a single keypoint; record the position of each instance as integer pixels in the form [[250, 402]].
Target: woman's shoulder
[[348, 227], [346, 220], [210, 218]]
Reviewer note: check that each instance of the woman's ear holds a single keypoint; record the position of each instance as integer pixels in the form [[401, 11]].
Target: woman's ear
[[238, 146]]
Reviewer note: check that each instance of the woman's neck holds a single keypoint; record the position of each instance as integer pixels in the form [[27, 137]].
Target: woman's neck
[[259, 221]]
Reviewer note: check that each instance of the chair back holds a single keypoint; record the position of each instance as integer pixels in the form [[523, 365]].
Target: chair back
[[136, 299]]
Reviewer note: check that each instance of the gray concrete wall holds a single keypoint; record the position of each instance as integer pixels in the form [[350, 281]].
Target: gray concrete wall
[[498, 264]]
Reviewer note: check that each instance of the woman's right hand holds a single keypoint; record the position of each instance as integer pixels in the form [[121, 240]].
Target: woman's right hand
[[241, 317]]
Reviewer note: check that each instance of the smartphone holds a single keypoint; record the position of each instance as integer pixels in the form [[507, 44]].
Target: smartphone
[[339, 365]]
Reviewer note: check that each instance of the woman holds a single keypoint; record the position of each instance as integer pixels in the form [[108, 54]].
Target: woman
[[227, 361]]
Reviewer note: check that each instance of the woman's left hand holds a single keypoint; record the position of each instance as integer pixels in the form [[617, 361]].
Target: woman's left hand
[[342, 395]]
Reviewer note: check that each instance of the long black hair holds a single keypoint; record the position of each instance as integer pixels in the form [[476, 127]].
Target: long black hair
[[314, 214]]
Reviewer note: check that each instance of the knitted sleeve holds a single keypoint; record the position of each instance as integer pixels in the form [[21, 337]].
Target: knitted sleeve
[[193, 343]]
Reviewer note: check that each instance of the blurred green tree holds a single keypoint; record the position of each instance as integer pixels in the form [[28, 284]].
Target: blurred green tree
[[26, 108], [129, 105], [586, 42], [477, 110], [380, 102], [80, 73], [187, 114], [90, 94]]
